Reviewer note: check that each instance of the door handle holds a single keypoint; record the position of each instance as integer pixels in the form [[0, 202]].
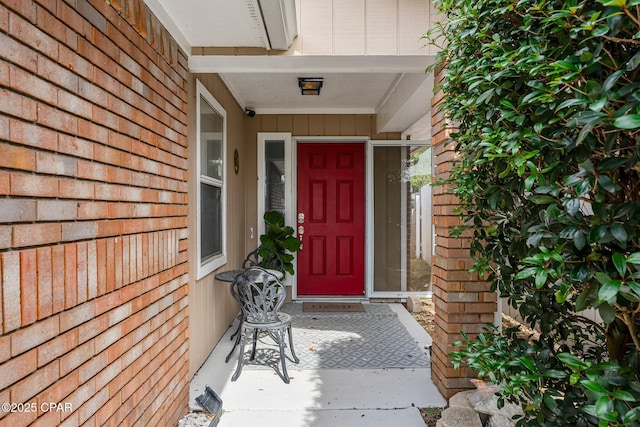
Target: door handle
[[300, 234]]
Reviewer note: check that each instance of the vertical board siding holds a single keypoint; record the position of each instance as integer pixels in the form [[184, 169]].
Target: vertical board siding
[[381, 27], [93, 214], [349, 27], [212, 308]]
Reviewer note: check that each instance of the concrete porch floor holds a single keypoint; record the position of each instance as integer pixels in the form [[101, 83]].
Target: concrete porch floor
[[320, 397]]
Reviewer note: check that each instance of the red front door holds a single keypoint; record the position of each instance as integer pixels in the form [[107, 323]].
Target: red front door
[[331, 198]]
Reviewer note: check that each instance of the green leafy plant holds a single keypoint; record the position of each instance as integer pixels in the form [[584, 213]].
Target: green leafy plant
[[280, 240], [545, 100]]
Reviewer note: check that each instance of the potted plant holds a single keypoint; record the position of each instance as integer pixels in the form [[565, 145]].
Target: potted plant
[[279, 240]]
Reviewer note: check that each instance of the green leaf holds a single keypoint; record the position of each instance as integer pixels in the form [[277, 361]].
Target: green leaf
[[606, 184], [541, 277], [598, 234], [526, 273], [635, 287], [630, 121], [579, 240], [612, 163], [600, 30], [604, 405], [550, 403], [599, 104], [541, 199], [506, 103], [572, 361], [608, 313], [485, 96], [623, 395], [593, 386], [573, 378], [603, 277], [634, 62], [527, 363], [631, 415], [611, 81], [571, 103], [620, 263], [609, 292], [634, 258], [555, 373]]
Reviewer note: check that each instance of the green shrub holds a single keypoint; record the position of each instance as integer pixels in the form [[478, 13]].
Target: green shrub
[[545, 96]]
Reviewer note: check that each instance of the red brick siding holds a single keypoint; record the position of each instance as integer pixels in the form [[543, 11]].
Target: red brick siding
[[93, 214], [463, 301]]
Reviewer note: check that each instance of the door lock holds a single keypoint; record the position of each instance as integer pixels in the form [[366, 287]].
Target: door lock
[[300, 234]]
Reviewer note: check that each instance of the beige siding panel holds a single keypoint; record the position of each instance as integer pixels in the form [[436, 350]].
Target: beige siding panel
[[348, 125], [212, 307], [269, 123], [363, 125], [316, 18], [382, 32], [316, 125], [285, 123], [413, 21], [349, 27], [300, 125], [332, 125]]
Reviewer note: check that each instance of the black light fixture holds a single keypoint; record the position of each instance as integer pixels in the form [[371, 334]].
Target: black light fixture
[[310, 85]]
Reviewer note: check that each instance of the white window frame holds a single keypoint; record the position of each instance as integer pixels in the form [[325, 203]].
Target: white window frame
[[215, 262], [286, 138], [289, 183]]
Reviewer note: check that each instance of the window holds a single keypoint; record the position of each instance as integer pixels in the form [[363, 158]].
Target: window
[[211, 195], [274, 176]]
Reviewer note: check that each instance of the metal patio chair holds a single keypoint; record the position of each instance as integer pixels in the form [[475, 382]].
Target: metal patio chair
[[259, 257], [261, 295]]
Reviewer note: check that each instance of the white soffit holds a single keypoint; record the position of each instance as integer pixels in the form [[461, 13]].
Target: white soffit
[[319, 64], [221, 23], [405, 103], [278, 93]]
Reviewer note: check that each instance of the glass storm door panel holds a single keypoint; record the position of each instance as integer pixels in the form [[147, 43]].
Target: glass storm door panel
[[402, 231], [331, 212]]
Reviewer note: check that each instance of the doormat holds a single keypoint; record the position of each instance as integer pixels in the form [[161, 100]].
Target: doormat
[[333, 307]]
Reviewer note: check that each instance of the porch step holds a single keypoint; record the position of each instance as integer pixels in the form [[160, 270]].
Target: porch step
[[408, 417]]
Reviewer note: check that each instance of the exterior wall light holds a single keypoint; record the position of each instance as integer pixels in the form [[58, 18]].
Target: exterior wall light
[[310, 85]]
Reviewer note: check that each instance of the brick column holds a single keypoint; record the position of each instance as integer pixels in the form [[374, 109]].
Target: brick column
[[462, 301]]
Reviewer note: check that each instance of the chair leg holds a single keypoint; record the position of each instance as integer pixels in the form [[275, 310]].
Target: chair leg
[[238, 328], [255, 342], [235, 344], [236, 374], [283, 358], [293, 353]]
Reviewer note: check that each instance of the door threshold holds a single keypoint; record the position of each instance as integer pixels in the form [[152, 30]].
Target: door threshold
[[331, 299]]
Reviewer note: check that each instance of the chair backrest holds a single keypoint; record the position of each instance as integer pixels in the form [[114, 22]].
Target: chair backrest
[[263, 257], [260, 294]]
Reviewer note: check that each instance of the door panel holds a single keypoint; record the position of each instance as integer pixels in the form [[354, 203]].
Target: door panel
[[331, 196]]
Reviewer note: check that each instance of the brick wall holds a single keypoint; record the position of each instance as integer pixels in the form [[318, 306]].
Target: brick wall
[[463, 302], [93, 215]]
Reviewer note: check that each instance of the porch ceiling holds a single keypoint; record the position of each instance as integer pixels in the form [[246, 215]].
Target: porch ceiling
[[395, 88]]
